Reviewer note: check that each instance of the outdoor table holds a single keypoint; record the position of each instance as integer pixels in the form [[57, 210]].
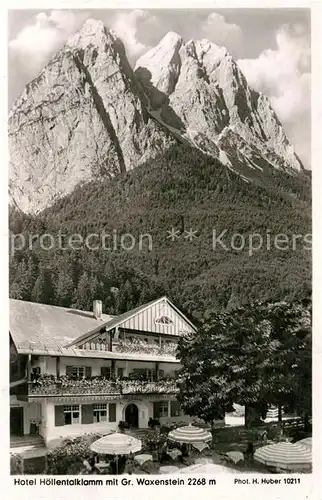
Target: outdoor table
[[168, 469], [102, 466], [141, 459], [235, 456], [200, 446], [204, 460], [174, 453]]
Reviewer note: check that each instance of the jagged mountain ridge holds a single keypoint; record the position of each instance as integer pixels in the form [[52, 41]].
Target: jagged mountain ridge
[[88, 115], [210, 95]]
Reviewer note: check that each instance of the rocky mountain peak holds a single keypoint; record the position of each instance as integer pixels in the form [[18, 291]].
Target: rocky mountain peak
[[208, 93], [91, 32], [171, 39], [83, 118], [163, 62], [88, 115]]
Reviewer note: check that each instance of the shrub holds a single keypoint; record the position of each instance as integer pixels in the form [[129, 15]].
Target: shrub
[[153, 422], [16, 464], [155, 444], [69, 455], [122, 425], [149, 468]]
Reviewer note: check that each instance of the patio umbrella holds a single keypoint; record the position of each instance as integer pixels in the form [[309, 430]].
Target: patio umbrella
[[116, 444], [286, 456], [190, 434], [306, 442], [208, 469]]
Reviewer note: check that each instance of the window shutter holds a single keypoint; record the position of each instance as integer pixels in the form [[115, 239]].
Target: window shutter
[[112, 412], [87, 414], [156, 409], [174, 409], [59, 416], [88, 371], [69, 371]]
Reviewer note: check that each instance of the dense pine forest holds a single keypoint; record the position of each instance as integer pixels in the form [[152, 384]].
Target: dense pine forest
[[181, 190]]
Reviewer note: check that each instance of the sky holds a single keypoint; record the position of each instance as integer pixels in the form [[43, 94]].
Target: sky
[[271, 46]]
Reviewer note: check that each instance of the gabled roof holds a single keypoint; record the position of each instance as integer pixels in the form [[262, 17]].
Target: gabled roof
[[45, 325], [46, 329], [122, 318]]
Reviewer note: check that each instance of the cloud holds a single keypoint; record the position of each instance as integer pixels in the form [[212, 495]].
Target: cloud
[[284, 75], [140, 30], [36, 42], [129, 25], [217, 30]]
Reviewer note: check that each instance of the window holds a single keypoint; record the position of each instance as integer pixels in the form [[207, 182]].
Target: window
[[143, 374], [164, 320], [78, 371], [164, 408], [100, 412], [71, 414]]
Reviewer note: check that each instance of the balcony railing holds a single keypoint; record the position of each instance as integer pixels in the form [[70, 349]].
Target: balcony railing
[[142, 347], [48, 385], [144, 387]]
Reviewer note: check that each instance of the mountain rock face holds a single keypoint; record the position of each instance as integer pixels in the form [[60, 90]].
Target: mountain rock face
[[219, 112], [81, 119], [88, 115]]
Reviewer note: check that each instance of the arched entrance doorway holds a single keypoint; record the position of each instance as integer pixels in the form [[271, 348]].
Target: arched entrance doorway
[[132, 415]]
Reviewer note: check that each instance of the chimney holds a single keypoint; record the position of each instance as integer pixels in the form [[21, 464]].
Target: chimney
[[97, 309]]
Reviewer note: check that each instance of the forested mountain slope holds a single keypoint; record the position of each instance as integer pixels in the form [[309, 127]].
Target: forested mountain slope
[[181, 189]]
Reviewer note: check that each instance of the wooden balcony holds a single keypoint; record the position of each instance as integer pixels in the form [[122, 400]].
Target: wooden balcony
[[164, 349], [49, 386], [137, 346]]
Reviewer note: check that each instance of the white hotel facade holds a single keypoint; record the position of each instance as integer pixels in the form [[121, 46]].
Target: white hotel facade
[[74, 372]]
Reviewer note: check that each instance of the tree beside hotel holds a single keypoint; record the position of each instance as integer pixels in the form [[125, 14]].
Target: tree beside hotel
[[256, 356]]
